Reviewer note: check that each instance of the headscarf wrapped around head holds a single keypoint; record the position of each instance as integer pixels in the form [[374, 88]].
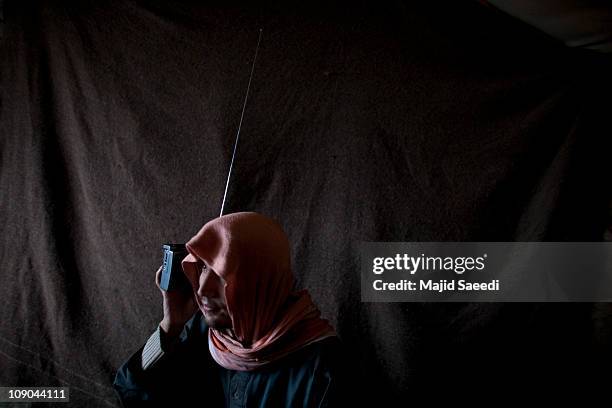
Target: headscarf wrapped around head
[[269, 321]]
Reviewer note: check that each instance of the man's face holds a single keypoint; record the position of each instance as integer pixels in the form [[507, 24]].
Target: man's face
[[210, 296]]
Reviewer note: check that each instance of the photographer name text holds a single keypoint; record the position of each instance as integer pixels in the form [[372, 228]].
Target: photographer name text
[[442, 285]]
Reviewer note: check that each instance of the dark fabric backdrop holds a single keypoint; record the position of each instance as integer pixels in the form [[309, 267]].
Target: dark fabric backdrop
[[383, 121]]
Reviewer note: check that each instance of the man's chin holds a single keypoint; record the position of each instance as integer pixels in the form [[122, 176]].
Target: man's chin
[[216, 323]]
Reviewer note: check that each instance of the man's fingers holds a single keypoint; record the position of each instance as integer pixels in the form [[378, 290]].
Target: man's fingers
[[158, 277]]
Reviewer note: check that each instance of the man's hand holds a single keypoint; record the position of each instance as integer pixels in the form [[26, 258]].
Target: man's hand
[[179, 306]]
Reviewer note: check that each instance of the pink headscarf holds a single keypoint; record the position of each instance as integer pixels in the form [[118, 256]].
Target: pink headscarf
[[251, 253]]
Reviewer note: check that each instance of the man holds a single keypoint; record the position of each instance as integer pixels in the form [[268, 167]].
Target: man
[[242, 338]]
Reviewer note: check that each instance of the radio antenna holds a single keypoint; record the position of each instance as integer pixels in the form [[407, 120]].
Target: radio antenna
[[246, 97]]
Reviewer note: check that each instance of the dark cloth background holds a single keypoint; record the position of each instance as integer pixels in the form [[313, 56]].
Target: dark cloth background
[[380, 121]]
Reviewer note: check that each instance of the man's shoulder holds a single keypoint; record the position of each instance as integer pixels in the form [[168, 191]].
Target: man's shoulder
[[329, 351], [323, 354], [328, 346]]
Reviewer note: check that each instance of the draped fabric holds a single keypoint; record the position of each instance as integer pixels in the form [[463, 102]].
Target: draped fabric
[[370, 121], [250, 252]]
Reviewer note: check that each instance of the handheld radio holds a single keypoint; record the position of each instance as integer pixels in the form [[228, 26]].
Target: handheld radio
[[172, 277]]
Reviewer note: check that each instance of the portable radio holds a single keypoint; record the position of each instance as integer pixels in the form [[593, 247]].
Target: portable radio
[[172, 277]]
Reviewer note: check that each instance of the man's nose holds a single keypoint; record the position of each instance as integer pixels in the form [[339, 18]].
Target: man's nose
[[206, 285]]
